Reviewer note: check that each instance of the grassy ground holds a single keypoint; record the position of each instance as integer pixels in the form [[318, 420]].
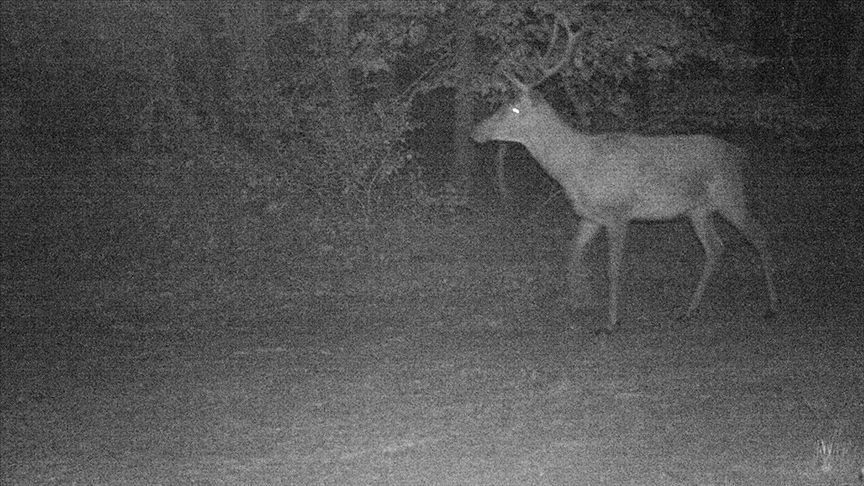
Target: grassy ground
[[434, 350]]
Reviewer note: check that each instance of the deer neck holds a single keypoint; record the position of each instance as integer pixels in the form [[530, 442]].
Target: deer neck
[[558, 148]]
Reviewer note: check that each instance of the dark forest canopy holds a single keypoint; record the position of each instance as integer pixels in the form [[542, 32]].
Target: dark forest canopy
[[126, 75]]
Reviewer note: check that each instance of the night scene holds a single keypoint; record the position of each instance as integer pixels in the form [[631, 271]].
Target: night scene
[[438, 242]]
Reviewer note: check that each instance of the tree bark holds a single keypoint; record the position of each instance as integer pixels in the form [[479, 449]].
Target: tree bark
[[741, 31], [463, 147], [337, 65], [250, 63], [855, 75]]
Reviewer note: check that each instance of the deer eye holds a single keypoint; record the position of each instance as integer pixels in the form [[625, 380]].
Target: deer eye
[[515, 110]]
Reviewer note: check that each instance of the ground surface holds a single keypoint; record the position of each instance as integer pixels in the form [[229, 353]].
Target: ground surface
[[439, 351]]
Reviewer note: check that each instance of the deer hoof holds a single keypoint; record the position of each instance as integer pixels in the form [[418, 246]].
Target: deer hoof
[[607, 330]]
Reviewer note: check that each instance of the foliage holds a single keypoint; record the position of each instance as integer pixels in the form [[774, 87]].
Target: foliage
[[620, 45], [649, 64], [98, 72], [353, 137], [327, 99], [353, 166]]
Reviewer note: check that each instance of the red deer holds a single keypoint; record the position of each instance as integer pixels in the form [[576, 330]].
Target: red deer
[[613, 179]]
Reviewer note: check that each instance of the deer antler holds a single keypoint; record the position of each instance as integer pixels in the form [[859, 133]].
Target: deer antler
[[568, 51], [546, 73]]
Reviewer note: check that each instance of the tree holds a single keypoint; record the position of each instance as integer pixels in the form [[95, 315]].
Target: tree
[[626, 59], [352, 130], [854, 71], [464, 99]]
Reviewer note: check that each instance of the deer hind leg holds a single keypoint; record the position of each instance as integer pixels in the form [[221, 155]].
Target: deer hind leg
[[700, 218]]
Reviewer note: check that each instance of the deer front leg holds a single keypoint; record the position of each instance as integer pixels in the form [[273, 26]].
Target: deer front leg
[[577, 272], [617, 236]]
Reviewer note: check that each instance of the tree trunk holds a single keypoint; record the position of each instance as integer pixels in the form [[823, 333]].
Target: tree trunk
[[855, 76], [463, 146], [337, 67], [250, 62], [339, 78], [741, 31], [256, 38]]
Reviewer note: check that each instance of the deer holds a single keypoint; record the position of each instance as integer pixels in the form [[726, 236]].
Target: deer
[[613, 179]]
